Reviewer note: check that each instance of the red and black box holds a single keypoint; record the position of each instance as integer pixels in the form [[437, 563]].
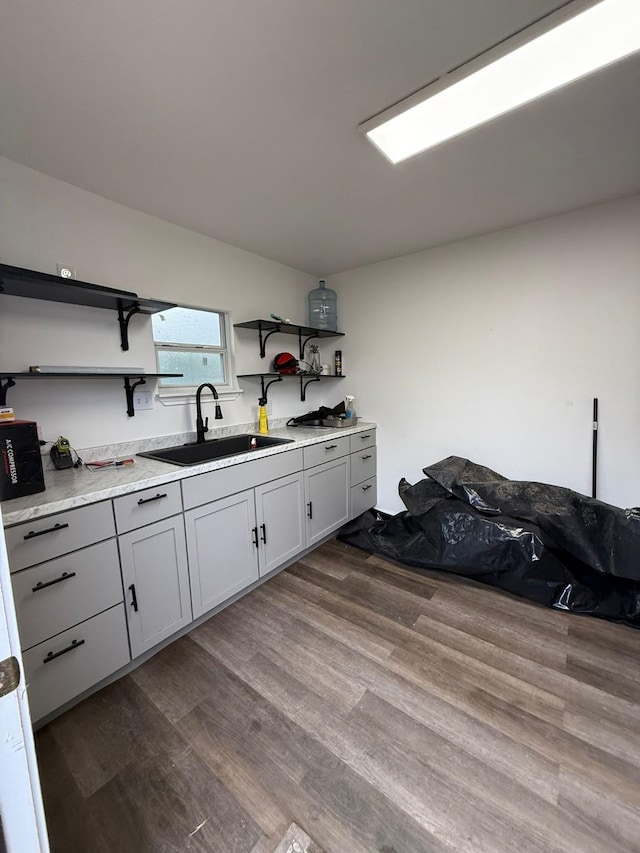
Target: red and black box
[[20, 460]]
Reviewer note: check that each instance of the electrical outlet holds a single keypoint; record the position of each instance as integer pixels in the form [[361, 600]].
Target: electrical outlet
[[66, 271], [142, 399]]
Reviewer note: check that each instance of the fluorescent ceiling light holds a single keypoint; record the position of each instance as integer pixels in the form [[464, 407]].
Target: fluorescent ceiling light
[[517, 71]]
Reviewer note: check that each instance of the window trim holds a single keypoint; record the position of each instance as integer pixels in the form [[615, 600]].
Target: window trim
[[183, 394]]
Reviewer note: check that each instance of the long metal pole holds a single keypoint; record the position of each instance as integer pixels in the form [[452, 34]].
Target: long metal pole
[[594, 466]]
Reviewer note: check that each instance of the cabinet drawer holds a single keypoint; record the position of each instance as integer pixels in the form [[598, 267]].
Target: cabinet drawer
[[36, 541], [147, 506], [237, 478], [362, 439], [363, 465], [76, 660], [363, 497], [316, 454], [46, 604]]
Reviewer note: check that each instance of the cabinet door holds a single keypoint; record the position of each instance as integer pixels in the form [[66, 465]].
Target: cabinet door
[[222, 545], [327, 498], [280, 521], [156, 582]]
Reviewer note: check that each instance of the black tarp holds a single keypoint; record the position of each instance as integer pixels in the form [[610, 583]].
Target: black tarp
[[545, 543]]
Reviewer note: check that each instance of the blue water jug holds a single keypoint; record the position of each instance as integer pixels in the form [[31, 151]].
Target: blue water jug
[[323, 308]]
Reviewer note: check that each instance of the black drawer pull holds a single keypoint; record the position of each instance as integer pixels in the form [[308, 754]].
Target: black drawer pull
[[134, 597], [364, 488], [33, 533], [53, 655], [331, 446], [255, 536], [310, 513], [149, 500], [368, 456], [263, 535], [63, 577], [368, 435]]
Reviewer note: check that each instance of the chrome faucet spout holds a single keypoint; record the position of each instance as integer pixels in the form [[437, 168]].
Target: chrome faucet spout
[[202, 427]]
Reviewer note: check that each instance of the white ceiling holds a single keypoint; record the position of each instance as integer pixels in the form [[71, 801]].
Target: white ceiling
[[238, 119]]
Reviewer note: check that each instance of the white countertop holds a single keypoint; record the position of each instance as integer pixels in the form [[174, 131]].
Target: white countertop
[[77, 487]]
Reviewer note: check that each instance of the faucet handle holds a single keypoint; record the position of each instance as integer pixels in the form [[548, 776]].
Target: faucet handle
[[206, 425]]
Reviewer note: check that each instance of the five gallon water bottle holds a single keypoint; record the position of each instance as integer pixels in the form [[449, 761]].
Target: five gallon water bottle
[[323, 308]]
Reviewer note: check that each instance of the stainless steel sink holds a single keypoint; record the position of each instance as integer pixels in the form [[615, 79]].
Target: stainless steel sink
[[216, 448]]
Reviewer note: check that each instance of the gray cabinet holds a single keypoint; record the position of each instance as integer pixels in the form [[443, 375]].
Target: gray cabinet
[[68, 596], [280, 522], [66, 665], [327, 498], [156, 582], [222, 542]]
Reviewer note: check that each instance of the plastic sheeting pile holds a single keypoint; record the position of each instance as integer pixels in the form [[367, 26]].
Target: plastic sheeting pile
[[545, 543]]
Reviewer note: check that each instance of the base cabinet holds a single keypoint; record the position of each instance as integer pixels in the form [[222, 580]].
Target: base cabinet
[[222, 546], [61, 668], [280, 522], [156, 582], [236, 540], [174, 567], [327, 498]]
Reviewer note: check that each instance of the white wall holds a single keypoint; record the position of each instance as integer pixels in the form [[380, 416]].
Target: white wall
[[44, 221], [494, 347]]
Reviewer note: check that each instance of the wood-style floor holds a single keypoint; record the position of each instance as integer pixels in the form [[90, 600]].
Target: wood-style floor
[[379, 709]]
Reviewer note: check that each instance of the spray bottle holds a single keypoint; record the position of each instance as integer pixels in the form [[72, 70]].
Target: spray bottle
[[349, 410], [263, 423]]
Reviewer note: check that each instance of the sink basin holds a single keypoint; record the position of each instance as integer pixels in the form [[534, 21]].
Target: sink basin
[[216, 448]]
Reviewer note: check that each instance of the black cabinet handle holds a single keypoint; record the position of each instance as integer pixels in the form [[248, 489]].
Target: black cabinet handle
[[368, 435], [53, 655], [310, 513], [331, 446], [134, 597], [63, 577], [263, 536], [368, 456], [255, 536], [149, 500], [33, 533], [364, 488]]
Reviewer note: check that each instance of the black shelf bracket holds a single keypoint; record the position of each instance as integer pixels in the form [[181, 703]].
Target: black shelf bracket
[[304, 343], [129, 390], [265, 338], [303, 385], [265, 388], [123, 319], [3, 390]]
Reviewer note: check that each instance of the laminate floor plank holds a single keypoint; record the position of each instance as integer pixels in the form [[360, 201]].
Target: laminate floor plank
[[171, 802], [279, 752], [70, 822], [395, 682], [382, 710], [484, 625], [547, 825], [332, 626], [605, 816], [394, 604], [100, 736]]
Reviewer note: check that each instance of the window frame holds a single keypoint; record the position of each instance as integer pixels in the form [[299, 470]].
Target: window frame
[[185, 393]]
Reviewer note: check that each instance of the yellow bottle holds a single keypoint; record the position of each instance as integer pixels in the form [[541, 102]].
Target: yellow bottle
[[263, 423]]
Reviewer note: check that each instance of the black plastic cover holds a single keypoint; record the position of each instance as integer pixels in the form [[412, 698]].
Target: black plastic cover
[[545, 543]]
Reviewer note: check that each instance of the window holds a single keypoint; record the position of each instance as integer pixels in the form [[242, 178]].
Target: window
[[192, 342]]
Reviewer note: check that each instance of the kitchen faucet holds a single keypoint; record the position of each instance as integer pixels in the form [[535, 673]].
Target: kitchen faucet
[[202, 427]]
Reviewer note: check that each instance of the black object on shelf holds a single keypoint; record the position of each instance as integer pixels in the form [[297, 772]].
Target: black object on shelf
[[305, 379], [129, 388], [16, 281], [266, 328]]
